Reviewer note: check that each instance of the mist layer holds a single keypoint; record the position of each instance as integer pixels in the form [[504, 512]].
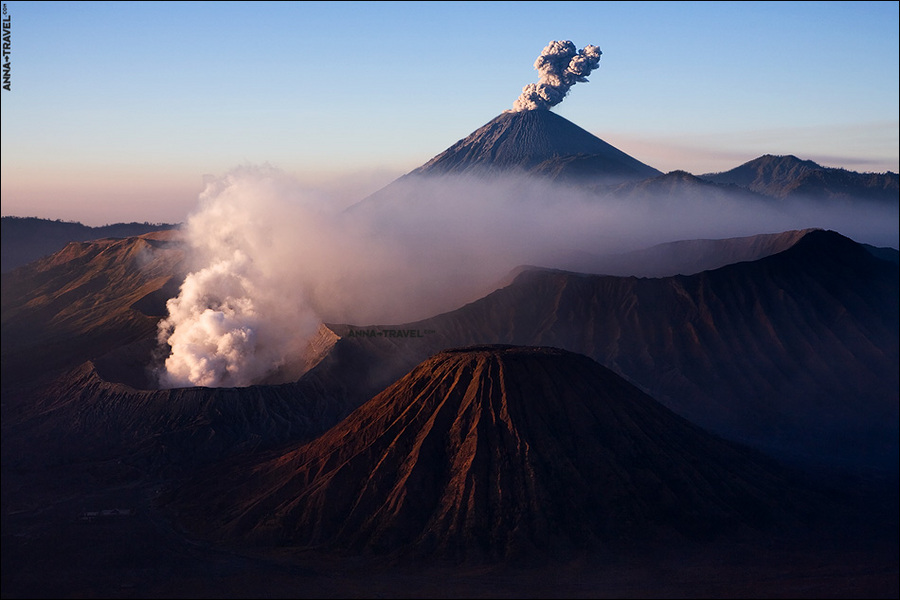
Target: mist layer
[[271, 260]]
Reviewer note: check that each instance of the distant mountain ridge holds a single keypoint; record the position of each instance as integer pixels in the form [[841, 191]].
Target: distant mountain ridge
[[687, 257], [85, 300], [790, 177], [25, 239], [746, 350], [543, 145], [754, 351]]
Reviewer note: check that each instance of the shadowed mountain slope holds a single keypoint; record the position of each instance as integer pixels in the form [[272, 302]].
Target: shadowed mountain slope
[[82, 417], [86, 300], [25, 239], [79, 337], [687, 257], [674, 187], [790, 177], [795, 353], [495, 453], [538, 141]]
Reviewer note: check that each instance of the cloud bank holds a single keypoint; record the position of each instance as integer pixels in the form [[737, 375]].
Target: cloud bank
[[270, 260]]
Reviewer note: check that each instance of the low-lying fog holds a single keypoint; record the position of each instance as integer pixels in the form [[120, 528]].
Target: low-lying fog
[[270, 260]]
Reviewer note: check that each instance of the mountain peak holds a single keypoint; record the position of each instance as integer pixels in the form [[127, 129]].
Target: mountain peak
[[496, 452], [534, 140]]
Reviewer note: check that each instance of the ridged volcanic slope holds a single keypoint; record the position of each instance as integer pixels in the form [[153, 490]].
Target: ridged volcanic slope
[[86, 300], [525, 140], [496, 452], [795, 353]]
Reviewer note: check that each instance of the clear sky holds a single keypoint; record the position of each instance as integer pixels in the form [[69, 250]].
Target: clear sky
[[118, 110]]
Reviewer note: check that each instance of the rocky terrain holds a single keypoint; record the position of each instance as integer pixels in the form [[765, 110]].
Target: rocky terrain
[[700, 418]]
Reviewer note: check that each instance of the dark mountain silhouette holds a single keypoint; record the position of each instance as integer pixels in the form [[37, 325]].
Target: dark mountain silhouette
[[794, 353], [687, 257], [753, 350], [25, 239], [681, 184], [84, 417], [790, 177], [888, 254], [499, 452]]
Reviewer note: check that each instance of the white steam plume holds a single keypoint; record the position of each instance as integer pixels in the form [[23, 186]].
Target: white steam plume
[[222, 327], [560, 67], [271, 261]]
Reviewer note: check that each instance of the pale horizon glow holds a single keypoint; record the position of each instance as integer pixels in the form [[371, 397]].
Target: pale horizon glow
[[118, 110]]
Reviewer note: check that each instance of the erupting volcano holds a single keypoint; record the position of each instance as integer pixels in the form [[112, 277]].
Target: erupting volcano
[[597, 357]]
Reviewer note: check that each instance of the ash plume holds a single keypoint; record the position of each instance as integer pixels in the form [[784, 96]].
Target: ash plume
[[560, 66]]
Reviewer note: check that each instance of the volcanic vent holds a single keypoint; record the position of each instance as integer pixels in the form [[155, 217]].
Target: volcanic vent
[[493, 453], [529, 138]]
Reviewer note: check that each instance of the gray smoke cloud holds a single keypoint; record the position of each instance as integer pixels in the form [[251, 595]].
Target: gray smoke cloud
[[560, 66]]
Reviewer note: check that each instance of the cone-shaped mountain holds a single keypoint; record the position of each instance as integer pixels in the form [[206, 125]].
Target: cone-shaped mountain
[[540, 141], [497, 452], [794, 353]]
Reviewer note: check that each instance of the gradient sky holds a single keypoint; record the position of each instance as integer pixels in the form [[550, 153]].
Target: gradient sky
[[119, 109]]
